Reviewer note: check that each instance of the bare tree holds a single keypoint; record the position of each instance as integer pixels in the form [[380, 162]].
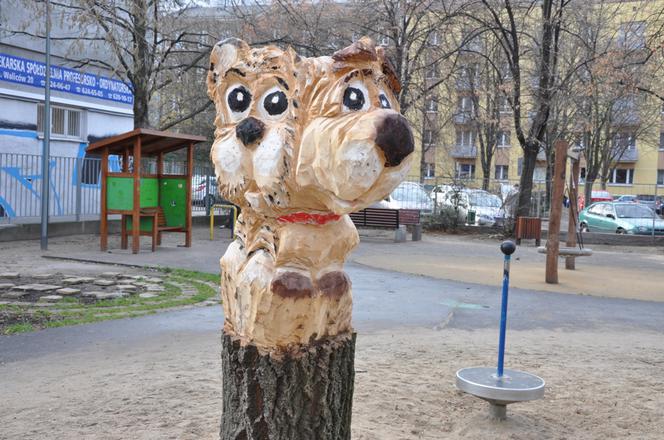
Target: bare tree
[[143, 42]]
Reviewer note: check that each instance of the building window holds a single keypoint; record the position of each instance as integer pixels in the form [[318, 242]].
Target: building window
[[429, 170], [464, 138], [434, 39], [465, 105], [90, 170], [432, 105], [624, 141], [428, 137], [661, 141], [632, 35], [384, 40], [501, 172], [660, 177], [64, 121], [539, 174], [503, 138], [432, 71], [469, 77], [504, 105], [519, 166], [465, 170], [621, 176]]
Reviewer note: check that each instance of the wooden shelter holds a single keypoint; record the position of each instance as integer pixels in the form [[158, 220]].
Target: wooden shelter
[[149, 202]]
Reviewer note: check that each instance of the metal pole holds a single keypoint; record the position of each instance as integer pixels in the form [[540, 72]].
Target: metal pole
[[79, 180], [47, 134], [508, 249], [654, 213]]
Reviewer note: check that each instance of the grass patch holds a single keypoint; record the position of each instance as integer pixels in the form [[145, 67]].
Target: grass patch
[[23, 327], [69, 311]]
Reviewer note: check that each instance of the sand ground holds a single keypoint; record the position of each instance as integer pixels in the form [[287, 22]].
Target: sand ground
[[606, 385]]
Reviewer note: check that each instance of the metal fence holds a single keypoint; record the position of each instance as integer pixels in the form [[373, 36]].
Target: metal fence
[[75, 189], [75, 186]]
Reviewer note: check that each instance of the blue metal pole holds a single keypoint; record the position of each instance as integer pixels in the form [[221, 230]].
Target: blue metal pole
[[508, 248]]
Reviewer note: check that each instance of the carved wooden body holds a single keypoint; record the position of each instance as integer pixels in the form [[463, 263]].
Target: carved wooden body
[[300, 143]]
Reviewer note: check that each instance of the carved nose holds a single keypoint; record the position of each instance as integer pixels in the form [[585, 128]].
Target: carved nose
[[395, 138], [249, 130]]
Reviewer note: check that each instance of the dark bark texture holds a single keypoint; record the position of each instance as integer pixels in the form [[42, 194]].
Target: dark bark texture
[[305, 395]]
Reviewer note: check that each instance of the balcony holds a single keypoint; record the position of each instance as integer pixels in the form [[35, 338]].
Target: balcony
[[462, 118], [628, 155], [464, 152]]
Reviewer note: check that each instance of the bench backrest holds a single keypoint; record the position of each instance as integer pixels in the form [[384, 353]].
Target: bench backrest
[[161, 219], [385, 217]]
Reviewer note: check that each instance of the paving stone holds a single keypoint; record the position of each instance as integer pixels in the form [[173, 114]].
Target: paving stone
[[92, 294], [147, 295], [43, 276], [153, 288], [50, 298], [137, 277], [140, 283], [77, 280], [15, 294], [10, 275], [111, 295], [36, 287], [126, 281], [154, 280], [105, 283], [127, 287], [4, 286], [68, 291], [110, 274]]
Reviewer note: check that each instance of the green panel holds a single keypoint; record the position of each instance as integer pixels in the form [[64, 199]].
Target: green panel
[[145, 225], [149, 192], [120, 192], [173, 200]]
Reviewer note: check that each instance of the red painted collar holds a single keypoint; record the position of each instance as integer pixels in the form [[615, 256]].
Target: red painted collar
[[309, 219]]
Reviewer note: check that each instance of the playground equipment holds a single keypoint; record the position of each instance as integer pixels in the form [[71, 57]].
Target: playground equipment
[[499, 386], [222, 206], [149, 203]]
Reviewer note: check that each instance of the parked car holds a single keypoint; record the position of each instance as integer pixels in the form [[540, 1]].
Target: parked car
[[199, 195], [488, 208], [651, 201], [408, 195], [626, 199], [595, 196], [620, 218]]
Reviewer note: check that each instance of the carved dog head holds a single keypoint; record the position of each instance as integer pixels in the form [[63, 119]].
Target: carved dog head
[[255, 136], [356, 147], [314, 134]]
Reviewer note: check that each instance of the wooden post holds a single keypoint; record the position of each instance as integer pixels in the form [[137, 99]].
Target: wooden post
[[190, 172], [553, 239], [573, 209], [136, 211], [103, 220], [125, 160]]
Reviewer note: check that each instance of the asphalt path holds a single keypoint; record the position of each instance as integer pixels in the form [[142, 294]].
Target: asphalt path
[[383, 300]]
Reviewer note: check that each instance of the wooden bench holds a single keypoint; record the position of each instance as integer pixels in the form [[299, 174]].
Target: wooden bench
[[385, 218], [158, 226]]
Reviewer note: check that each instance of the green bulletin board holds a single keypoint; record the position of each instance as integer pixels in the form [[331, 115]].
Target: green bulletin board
[[120, 193], [173, 200]]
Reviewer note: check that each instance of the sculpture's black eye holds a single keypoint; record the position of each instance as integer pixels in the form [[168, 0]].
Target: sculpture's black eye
[[275, 103], [239, 99], [384, 102], [354, 98]]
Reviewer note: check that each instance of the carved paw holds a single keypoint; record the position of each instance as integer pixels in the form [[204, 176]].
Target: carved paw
[[334, 284], [292, 285]]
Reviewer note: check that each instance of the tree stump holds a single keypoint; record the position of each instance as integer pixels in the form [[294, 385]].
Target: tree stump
[[303, 394]]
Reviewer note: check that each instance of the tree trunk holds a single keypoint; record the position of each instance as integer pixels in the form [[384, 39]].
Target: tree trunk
[[526, 182], [297, 396], [587, 192]]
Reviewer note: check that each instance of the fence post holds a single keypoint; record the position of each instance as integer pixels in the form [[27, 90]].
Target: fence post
[[79, 179], [207, 191]]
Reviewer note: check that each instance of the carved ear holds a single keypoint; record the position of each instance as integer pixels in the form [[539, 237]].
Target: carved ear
[[363, 49], [224, 55], [388, 69]]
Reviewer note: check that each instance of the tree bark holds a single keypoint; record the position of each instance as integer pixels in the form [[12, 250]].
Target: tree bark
[[300, 395], [526, 182]]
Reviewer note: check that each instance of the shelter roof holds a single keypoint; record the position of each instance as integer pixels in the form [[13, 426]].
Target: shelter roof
[[152, 142]]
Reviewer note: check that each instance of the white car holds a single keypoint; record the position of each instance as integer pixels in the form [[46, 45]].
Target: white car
[[408, 195], [488, 208]]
